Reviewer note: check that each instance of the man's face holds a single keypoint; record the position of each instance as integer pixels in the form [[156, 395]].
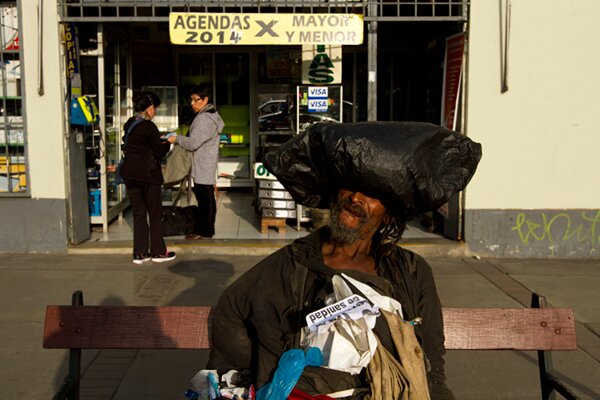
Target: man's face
[[355, 216]]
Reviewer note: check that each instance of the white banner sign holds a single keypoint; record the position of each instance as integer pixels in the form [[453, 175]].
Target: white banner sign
[[269, 29]]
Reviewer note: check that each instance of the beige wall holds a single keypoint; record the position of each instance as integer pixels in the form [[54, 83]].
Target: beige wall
[[541, 139], [46, 154]]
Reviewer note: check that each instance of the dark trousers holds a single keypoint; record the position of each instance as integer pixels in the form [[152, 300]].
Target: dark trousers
[[146, 206], [207, 209]]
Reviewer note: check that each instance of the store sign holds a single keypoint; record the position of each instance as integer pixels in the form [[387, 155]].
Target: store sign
[[265, 29], [453, 62], [322, 64], [71, 45], [260, 172]]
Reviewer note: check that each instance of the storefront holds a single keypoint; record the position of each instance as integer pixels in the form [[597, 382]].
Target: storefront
[[394, 72], [524, 103]]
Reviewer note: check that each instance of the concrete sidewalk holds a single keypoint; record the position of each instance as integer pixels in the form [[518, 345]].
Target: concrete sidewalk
[[29, 282]]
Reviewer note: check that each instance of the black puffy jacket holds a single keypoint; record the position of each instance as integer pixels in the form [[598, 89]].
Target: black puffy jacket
[[260, 315]]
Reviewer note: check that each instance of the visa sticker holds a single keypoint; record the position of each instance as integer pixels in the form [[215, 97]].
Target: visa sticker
[[317, 105], [320, 92]]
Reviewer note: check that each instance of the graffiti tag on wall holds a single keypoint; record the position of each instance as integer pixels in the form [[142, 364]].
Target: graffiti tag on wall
[[567, 227]]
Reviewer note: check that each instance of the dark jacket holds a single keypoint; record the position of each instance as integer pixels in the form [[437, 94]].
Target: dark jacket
[[260, 315], [143, 151]]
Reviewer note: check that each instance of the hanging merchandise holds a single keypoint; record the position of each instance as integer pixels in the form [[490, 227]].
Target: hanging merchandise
[[84, 111]]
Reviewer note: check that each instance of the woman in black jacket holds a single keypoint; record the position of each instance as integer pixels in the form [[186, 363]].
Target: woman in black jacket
[[142, 174]]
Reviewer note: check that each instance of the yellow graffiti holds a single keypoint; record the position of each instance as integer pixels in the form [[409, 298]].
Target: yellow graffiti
[[528, 229]]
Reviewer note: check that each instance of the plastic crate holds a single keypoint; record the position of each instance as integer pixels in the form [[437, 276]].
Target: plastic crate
[[95, 203]]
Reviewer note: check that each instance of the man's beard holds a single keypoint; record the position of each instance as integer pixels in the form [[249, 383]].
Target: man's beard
[[341, 233]]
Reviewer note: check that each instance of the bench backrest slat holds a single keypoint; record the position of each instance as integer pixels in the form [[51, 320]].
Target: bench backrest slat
[[518, 329], [108, 327], [186, 327]]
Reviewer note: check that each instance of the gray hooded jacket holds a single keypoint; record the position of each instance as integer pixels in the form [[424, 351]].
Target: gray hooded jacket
[[203, 140]]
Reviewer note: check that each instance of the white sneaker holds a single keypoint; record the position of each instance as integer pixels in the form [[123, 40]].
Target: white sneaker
[[141, 258], [168, 256]]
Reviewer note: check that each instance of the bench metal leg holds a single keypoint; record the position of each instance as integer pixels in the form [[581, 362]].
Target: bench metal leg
[[75, 354], [550, 383], [544, 358], [69, 390]]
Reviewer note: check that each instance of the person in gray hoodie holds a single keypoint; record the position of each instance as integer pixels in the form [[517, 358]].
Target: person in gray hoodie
[[203, 140]]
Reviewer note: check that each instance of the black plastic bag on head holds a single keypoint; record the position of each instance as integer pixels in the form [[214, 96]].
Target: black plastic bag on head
[[411, 167]]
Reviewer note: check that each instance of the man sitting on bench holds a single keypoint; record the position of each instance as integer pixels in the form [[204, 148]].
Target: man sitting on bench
[[374, 177]]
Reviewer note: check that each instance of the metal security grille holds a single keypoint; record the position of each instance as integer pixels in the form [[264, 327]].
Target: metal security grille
[[158, 10]]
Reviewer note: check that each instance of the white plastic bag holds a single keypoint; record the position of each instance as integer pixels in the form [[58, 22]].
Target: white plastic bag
[[384, 302], [346, 340]]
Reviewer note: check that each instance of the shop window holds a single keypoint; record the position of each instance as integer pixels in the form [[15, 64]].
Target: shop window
[[13, 155]]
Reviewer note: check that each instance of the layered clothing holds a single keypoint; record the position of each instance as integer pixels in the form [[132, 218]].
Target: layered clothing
[[261, 315]]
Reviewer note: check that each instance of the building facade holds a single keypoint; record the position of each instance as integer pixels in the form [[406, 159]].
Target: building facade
[[531, 102], [527, 93]]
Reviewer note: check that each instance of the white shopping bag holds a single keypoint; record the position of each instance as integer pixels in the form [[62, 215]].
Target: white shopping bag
[[342, 332]]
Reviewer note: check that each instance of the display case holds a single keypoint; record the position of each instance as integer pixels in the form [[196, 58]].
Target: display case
[[107, 200], [13, 177]]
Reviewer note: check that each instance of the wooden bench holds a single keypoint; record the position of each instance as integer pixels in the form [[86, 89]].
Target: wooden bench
[[78, 327]]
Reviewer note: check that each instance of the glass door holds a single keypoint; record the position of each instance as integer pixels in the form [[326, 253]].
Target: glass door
[[232, 98]]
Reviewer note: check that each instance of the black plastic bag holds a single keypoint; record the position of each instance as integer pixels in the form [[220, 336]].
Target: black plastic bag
[[177, 221], [412, 167]]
